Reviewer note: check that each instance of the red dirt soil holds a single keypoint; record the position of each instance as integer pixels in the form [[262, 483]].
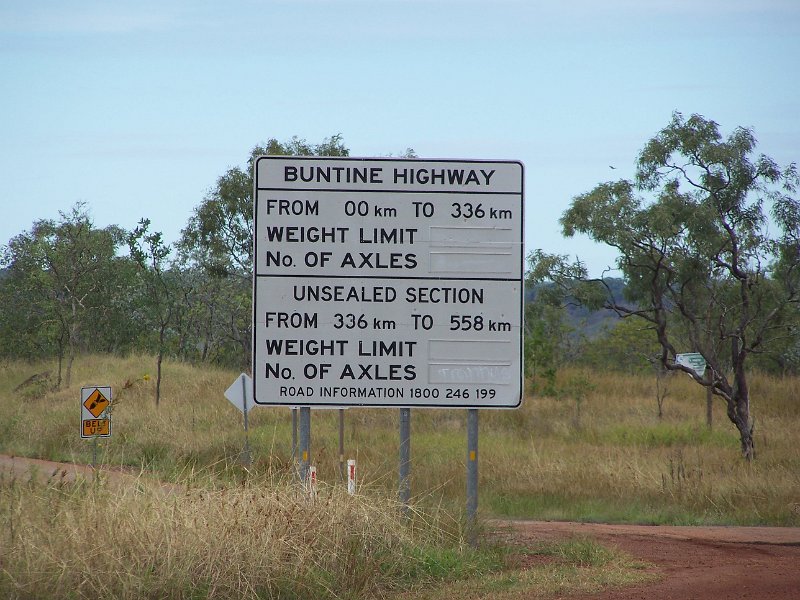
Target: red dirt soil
[[694, 563]]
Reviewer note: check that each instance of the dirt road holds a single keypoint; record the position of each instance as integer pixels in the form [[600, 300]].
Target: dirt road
[[695, 563], [46, 470]]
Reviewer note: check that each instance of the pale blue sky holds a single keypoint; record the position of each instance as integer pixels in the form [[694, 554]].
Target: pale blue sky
[[137, 107]]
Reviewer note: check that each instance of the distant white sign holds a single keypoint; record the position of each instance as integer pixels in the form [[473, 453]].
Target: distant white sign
[[388, 282], [692, 360], [241, 396]]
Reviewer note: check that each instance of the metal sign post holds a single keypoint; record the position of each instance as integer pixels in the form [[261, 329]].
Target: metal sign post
[[405, 458], [341, 445], [246, 458], [472, 472], [294, 438], [305, 442], [240, 395]]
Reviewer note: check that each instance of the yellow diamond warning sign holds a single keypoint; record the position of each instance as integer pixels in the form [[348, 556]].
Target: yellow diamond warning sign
[[96, 411], [96, 403]]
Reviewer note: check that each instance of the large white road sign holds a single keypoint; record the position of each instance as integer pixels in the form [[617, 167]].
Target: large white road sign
[[388, 282]]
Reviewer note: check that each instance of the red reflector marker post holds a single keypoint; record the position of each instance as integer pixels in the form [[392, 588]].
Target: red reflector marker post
[[351, 477]]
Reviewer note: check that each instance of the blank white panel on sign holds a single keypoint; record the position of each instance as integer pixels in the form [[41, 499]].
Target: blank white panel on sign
[[476, 373], [470, 350], [472, 235], [471, 250], [464, 361], [470, 261]]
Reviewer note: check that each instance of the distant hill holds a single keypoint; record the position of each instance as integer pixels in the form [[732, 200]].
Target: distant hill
[[588, 322]]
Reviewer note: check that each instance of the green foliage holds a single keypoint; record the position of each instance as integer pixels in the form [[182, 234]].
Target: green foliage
[[628, 345], [63, 285], [160, 291], [546, 338], [427, 563], [666, 435], [567, 282], [566, 507]]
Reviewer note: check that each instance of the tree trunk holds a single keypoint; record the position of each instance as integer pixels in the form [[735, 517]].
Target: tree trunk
[[739, 414], [709, 397], [747, 441], [158, 377], [72, 342], [661, 392], [60, 361], [161, 335], [739, 402], [748, 446], [70, 360]]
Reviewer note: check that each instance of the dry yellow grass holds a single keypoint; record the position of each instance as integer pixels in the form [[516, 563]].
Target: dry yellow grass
[[222, 532], [623, 463], [255, 540], [235, 532], [619, 462]]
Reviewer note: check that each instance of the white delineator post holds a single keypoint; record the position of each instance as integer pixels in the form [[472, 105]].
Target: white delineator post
[[351, 477], [312, 481]]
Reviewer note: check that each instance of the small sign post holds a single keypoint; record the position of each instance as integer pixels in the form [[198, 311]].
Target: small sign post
[[95, 415], [472, 472], [405, 458], [351, 477], [312, 482], [240, 394]]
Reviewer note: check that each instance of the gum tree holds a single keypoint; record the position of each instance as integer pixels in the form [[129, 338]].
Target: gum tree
[[159, 288], [61, 271], [708, 238], [218, 240]]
